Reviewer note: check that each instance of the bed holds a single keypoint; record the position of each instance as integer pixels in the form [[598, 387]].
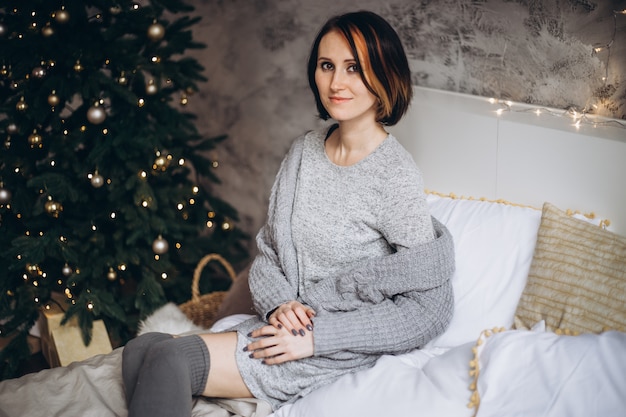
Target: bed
[[534, 198]]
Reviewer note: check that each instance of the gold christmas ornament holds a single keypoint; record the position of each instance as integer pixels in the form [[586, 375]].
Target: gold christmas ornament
[[151, 88], [21, 105], [122, 80], [66, 270], [53, 99], [96, 114], [61, 16], [97, 180], [53, 208], [38, 72], [47, 30], [111, 275], [35, 140], [160, 245], [156, 31]]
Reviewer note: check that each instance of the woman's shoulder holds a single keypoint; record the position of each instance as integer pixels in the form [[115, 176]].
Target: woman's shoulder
[[395, 160], [399, 152]]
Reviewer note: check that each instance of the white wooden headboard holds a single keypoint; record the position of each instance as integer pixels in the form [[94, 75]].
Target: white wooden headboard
[[522, 154]]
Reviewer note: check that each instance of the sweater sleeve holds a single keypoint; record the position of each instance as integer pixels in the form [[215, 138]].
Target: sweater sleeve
[[389, 304], [269, 286], [273, 275], [393, 326]]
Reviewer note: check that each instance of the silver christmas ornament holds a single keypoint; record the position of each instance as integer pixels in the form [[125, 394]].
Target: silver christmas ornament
[[5, 195], [96, 115], [156, 31], [160, 245], [151, 88]]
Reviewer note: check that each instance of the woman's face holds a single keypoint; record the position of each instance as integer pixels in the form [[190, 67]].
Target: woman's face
[[342, 91]]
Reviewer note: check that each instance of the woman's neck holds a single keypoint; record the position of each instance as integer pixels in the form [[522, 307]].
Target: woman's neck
[[349, 144]]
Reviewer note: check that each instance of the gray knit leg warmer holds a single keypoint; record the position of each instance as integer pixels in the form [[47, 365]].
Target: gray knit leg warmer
[[133, 356], [172, 372]]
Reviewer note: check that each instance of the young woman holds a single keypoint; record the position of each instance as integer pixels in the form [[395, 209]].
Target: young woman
[[351, 265]]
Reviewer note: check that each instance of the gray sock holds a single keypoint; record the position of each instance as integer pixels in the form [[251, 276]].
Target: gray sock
[[172, 372], [132, 358]]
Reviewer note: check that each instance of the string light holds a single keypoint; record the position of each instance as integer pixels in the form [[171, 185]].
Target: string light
[[579, 117], [602, 47]]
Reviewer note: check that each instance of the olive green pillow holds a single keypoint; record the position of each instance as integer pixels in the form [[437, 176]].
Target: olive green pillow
[[577, 278]]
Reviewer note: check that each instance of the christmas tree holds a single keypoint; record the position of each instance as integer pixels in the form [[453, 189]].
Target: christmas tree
[[105, 182]]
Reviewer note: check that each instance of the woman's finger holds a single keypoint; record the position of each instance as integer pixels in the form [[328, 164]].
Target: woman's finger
[[291, 321]]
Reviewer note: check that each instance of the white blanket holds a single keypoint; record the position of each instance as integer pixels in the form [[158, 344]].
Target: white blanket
[[525, 373]]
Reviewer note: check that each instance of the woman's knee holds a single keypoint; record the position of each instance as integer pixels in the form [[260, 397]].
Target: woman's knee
[[135, 350], [184, 358]]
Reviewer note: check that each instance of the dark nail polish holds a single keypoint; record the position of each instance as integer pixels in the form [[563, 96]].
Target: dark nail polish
[[294, 332], [309, 327], [252, 355], [280, 326], [302, 332], [249, 334], [245, 348], [263, 362]]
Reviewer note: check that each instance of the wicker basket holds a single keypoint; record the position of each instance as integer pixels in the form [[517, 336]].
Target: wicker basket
[[201, 309]]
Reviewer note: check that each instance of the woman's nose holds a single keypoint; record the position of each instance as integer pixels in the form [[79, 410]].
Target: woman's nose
[[337, 81]]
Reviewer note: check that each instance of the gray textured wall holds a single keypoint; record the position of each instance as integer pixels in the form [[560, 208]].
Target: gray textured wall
[[531, 51]]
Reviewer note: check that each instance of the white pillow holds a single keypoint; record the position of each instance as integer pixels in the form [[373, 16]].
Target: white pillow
[[526, 373], [494, 245]]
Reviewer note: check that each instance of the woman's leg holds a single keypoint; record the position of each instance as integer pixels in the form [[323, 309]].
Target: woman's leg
[[224, 379], [172, 372], [132, 358]]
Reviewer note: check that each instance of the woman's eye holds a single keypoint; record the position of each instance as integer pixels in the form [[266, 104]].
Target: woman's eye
[[326, 66], [353, 68]]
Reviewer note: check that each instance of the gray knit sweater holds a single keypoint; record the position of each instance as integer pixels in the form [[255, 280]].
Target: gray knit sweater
[[384, 289]]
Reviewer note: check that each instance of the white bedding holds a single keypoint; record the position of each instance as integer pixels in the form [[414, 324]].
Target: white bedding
[[525, 373], [521, 372]]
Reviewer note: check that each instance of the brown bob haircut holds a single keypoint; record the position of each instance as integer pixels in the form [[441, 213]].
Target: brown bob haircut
[[380, 58]]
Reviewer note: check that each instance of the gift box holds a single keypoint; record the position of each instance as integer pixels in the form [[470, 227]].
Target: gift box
[[63, 344]]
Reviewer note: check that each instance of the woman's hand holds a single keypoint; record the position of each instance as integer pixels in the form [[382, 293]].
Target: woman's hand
[[294, 316], [278, 345]]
